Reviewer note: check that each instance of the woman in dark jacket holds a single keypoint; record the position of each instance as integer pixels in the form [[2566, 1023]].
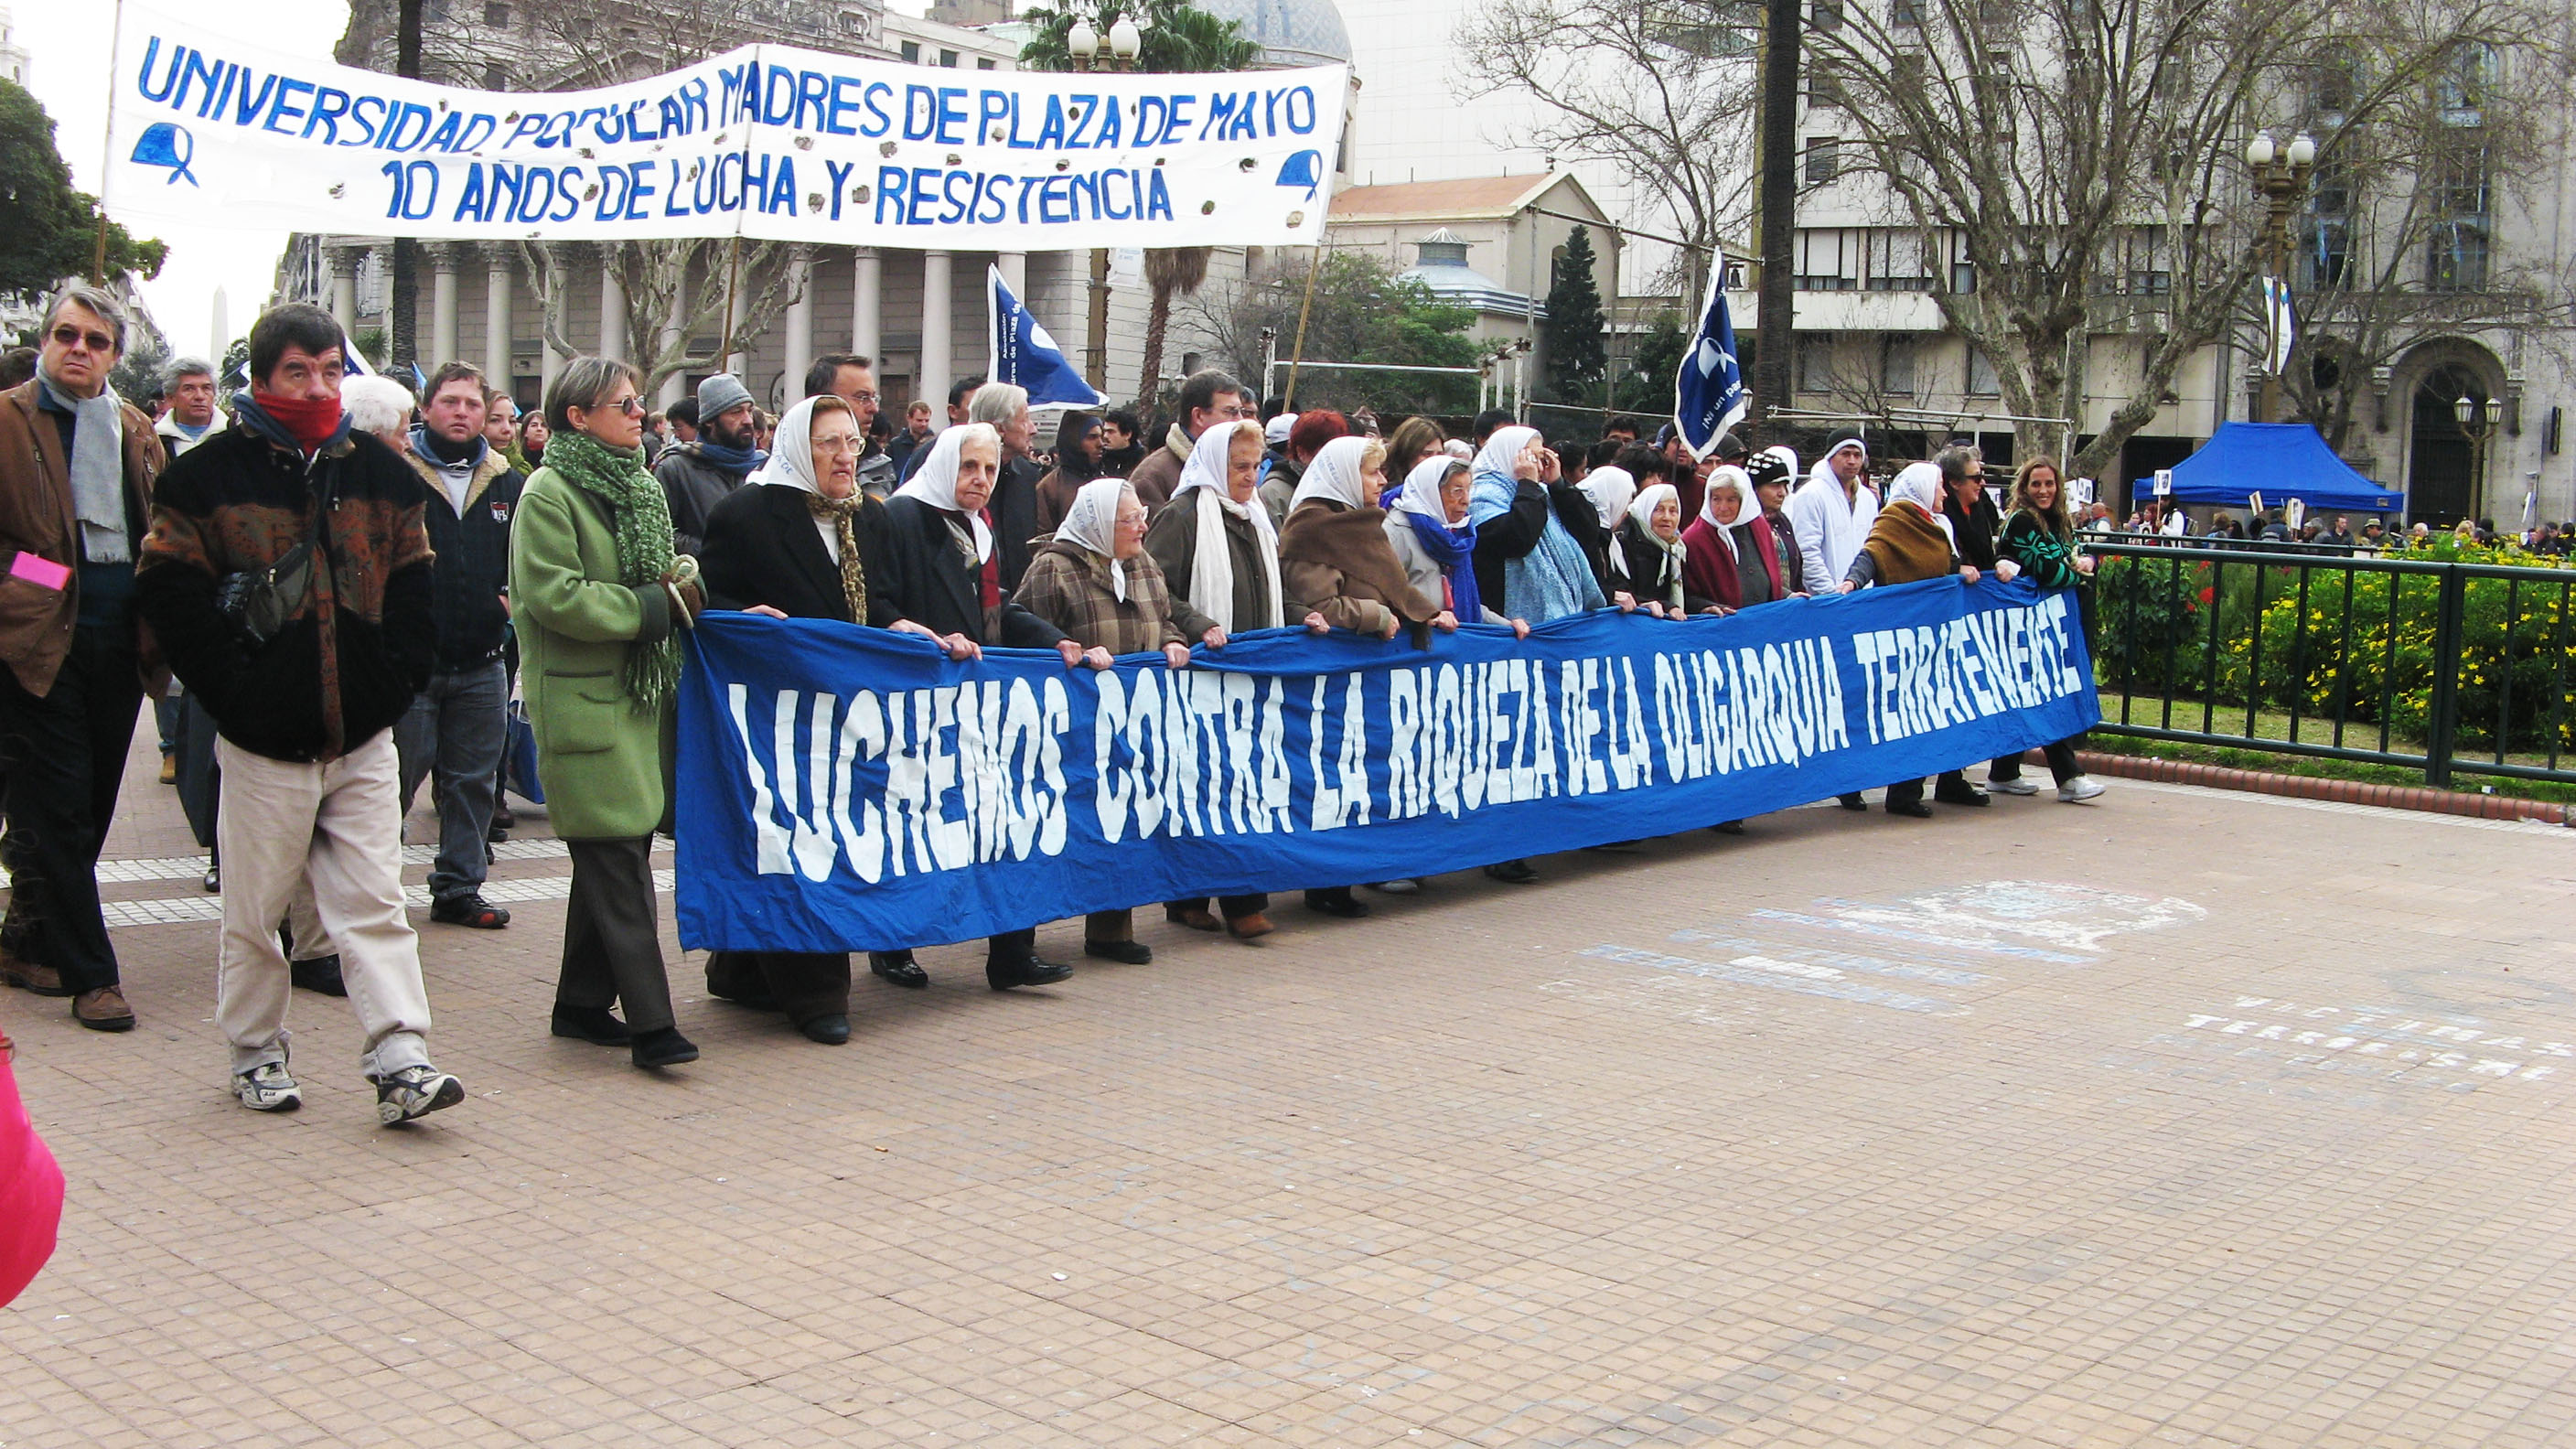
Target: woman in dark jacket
[[942, 572], [1095, 581], [1909, 542], [1964, 504], [1649, 560], [2040, 538], [801, 543], [1768, 568]]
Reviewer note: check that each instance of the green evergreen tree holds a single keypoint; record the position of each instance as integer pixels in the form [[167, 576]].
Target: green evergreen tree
[[1572, 334], [47, 229]]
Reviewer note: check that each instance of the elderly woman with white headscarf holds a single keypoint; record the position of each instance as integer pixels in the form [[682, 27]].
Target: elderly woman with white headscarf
[[802, 542], [1909, 542], [1217, 549], [942, 571], [1611, 489], [1531, 562], [1095, 581], [1649, 559]]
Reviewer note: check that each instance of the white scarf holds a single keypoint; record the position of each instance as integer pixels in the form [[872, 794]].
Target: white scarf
[[1092, 523], [1920, 484], [1211, 561], [1641, 512], [936, 482], [97, 472], [1333, 476], [1727, 475], [1611, 490]]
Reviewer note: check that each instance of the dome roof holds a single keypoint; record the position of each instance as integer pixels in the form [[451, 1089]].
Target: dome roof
[[1290, 32]]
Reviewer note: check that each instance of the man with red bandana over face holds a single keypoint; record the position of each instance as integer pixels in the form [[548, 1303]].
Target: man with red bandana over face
[[306, 692]]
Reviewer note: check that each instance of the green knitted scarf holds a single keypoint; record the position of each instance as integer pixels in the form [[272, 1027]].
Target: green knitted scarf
[[642, 521]]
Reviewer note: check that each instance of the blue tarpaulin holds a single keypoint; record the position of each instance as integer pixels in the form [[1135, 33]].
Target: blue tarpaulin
[[844, 788], [2281, 461]]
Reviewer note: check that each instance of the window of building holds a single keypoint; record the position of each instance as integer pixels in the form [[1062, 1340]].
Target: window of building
[[983, 62], [2325, 254], [1982, 381], [2333, 80], [496, 77], [1825, 86], [910, 50], [2461, 89], [497, 16], [1896, 353], [2148, 273], [1824, 159], [948, 58], [1825, 16], [2458, 258], [1963, 264], [1905, 12], [1897, 262], [1828, 259], [1815, 362]]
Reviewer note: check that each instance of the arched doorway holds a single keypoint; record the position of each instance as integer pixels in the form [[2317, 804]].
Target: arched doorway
[[2440, 486]]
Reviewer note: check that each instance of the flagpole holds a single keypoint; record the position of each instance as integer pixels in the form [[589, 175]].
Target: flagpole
[[1298, 353], [107, 145]]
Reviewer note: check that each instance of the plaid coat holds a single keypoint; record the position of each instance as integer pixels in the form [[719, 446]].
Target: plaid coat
[[1068, 586]]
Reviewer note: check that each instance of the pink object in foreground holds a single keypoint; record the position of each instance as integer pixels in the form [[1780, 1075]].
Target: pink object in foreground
[[31, 1191]]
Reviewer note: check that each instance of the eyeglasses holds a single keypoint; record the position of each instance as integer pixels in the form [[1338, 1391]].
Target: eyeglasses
[[862, 396], [69, 336], [631, 405], [840, 444]]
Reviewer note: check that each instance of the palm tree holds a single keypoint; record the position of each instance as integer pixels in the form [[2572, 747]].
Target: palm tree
[[1176, 36]]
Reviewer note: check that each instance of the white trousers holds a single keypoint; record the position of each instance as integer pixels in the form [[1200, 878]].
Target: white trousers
[[336, 828]]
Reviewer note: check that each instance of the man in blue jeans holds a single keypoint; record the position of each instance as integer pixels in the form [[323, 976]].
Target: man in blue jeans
[[456, 727]]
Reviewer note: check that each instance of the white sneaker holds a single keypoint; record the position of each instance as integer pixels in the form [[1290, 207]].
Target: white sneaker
[[268, 1088], [2079, 790], [2014, 786], [415, 1092]]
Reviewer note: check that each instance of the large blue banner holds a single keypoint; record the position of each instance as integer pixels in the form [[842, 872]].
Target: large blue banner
[[845, 788]]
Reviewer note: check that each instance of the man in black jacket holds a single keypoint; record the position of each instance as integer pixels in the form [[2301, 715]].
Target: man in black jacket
[[315, 534], [456, 726]]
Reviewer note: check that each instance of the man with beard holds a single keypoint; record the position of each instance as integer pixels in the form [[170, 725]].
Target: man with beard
[[696, 476]]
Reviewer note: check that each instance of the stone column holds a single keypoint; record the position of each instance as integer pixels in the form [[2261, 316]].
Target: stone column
[[867, 306], [931, 378], [442, 305], [499, 284], [344, 258], [1015, 273], [612, 306], [800, 321]]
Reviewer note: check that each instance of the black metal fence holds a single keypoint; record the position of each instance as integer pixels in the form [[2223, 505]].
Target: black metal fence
[[2446, 666]]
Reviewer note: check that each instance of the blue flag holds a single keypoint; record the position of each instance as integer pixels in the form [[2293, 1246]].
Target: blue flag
[[1025, 353], [1708, 393]]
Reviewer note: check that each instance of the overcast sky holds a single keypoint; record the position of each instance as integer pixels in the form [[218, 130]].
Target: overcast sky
[[69, 44]]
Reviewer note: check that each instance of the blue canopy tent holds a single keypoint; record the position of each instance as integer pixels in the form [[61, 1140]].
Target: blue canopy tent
[[2281, 461]]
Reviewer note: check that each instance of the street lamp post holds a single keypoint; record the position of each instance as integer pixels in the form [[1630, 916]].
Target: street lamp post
[[2479, 418], [2280, 177], [1082, 43]]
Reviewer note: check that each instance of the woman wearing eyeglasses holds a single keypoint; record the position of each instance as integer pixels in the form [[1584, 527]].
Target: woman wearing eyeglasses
[[598, 598]]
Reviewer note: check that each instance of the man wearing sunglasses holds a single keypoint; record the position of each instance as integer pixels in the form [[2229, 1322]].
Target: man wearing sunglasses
[[77, 467]]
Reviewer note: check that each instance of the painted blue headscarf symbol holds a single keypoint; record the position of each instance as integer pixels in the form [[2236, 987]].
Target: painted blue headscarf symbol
[[163, 144], [1303, 169]]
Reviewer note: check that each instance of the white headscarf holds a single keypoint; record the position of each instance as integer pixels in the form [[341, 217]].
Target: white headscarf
[[936, 482], [1421, 491], [1920, 485], [1092, 522], [1460, 449], [1503, 449], [1211, 563], [1611, 490], [791, 453], [1642, 513], [1727, 475], [1334, 475]]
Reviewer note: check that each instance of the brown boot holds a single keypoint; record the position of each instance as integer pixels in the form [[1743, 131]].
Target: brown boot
[[103, 1010], [1245, 928], [1196, 917], [27, 976]]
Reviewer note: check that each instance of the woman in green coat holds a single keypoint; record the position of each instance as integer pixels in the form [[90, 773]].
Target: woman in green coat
[[597, 595]]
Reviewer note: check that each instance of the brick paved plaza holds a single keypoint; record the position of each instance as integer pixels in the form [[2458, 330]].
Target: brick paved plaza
[[2194, 1118]]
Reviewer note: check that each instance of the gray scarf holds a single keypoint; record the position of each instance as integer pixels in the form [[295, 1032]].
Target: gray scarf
[[98, 471]]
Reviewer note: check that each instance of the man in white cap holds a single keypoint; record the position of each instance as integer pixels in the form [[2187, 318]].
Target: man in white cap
[[1832, 511]]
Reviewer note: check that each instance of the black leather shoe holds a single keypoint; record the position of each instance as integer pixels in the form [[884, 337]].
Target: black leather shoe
[[1336, 903], [1027, 971], [1134, 953], [1912, 809], [595, 1024], [1728, 827], [663, 1048], [829, 1030], [899, 968], [321, 974], [1512, 872], [1851, 801], [1959, 792]]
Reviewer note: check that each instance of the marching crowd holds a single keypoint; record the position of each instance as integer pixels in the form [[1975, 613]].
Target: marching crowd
[[345, 580]]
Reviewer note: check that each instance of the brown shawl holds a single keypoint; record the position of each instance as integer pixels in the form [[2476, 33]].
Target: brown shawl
[[1907, 546], [1352, 541]]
